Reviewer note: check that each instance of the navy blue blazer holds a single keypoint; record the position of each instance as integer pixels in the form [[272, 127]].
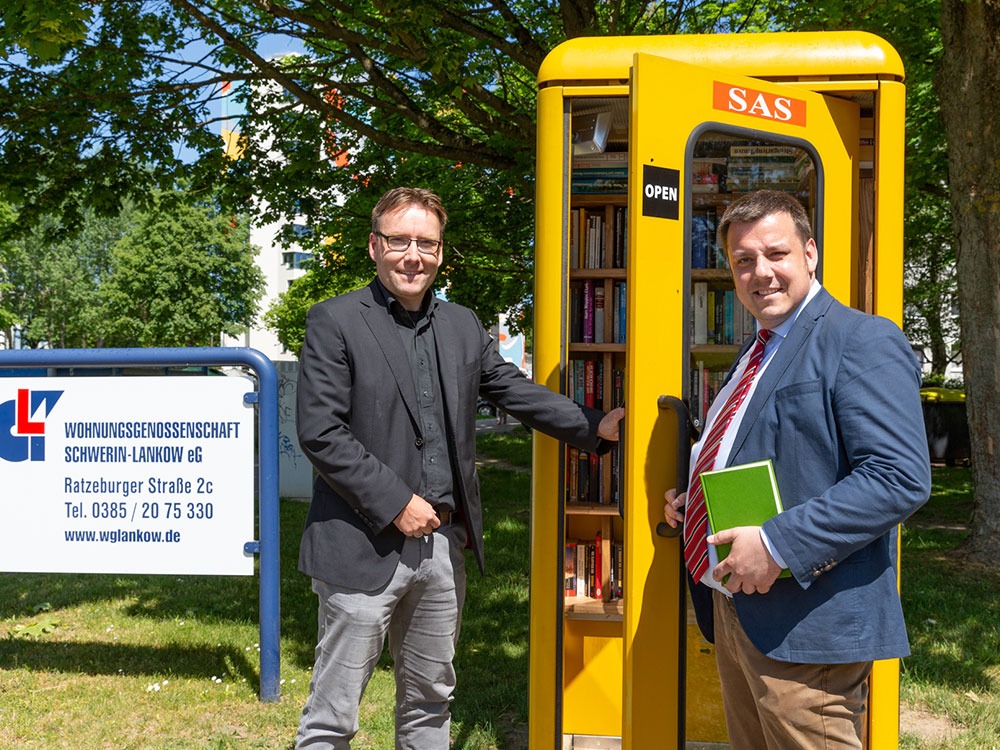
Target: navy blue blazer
[[838, 411]]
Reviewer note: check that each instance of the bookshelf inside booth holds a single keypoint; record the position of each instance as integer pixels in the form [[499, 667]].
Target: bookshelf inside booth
[[725, 166], [596, 348]]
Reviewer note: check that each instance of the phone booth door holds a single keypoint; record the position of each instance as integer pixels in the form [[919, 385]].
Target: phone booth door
[[686, 122]]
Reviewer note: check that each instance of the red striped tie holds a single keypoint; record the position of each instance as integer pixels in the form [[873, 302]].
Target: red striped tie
[[696, 517]]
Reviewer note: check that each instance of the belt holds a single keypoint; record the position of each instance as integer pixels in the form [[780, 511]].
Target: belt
[[448, 516]]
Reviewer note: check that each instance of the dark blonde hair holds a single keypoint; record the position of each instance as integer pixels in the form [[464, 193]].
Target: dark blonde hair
[[756, 206], [404, 197]]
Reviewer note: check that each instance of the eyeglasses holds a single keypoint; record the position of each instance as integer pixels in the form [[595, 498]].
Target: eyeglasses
[[400, 244]]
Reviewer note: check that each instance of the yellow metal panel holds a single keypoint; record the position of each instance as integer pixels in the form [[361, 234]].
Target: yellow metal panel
[[844, 53], [889, 145], [838, 142], [571, 91], [883, 716], [546, 545], [883, 706], [840, 86], [670, 101], [592, 677], [655, 325]]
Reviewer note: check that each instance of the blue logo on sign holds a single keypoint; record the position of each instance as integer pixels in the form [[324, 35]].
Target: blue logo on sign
[[20, 438]]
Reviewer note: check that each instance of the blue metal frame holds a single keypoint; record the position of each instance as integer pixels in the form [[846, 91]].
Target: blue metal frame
[[270, 624]]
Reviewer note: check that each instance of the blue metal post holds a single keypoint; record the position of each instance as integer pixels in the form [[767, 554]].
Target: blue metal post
[[267, 376]]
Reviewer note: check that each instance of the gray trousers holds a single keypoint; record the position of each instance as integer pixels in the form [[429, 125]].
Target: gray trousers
[[420, 609]]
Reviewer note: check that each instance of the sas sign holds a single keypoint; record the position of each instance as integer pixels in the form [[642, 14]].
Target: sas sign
[[753, 103]]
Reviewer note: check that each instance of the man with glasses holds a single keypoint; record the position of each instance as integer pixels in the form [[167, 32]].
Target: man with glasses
[[388, 385]]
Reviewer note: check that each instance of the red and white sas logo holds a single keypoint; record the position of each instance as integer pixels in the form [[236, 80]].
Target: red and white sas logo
[[753, 103]]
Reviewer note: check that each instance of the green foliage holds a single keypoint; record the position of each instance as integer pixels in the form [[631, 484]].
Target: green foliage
[[42, 28], [437, 93], [930, 285], [182, 274], [178, 274], [287, 316], [35, 629]]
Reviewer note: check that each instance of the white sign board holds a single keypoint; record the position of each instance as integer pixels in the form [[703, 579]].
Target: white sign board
[[126, 475]]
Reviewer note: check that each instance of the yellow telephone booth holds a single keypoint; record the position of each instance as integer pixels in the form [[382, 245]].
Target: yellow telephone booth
[[642, 142]]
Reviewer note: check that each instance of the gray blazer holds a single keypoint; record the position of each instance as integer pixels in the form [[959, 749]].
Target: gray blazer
[[838, 411], [357, 423]]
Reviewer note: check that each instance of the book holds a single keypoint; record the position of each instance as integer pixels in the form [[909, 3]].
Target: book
[[598, 588], [574, 238], [588, 311], [700, 313], [573, 474], [569, 570], [598, 313], [744, 495]]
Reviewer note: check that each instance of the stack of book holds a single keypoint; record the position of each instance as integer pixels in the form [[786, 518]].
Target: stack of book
[[752, 168], [600, 173], [588, 321], [708, 174], [718, 316], [585, 471], [588, 239], [582, 569], [705, 251]]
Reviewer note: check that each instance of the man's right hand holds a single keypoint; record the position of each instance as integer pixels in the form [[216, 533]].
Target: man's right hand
[[673, 510], [418, 518]]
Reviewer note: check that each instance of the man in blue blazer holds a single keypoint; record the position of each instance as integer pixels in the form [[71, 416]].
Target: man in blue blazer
[[833, 400], [388, 384]]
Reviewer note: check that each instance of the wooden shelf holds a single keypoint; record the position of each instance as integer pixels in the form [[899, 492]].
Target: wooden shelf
[[598, 273], [591, 509], [714, 355], [717, 350], [581, 348], [711, 274], [585, 608], [701, 200], [598, 200]]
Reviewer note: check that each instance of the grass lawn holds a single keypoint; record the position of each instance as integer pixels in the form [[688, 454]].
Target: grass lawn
[[171, 662], [951, 682]]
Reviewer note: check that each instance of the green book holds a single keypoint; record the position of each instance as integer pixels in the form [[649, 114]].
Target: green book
[[745, 495]]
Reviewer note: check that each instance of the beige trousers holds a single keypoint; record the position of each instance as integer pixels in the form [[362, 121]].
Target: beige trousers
[[781, 705]]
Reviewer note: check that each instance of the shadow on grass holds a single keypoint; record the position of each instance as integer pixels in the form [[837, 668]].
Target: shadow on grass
[[131, 660], [209, 599], [952, 607]]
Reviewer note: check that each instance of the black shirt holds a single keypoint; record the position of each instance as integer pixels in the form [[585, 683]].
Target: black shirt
[[416, 331]]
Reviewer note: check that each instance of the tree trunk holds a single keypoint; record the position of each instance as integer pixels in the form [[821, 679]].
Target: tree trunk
[[968, 84]]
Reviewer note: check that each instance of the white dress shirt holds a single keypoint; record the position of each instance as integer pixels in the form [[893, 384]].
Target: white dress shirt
[[778, 334]]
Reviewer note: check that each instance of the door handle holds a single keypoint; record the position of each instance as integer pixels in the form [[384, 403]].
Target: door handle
[[684, 432]]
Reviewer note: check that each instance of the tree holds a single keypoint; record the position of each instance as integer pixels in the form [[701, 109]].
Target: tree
[[178, 275], [912, 28], [97, 103], [181, 275], [968, 84], [53, 282]]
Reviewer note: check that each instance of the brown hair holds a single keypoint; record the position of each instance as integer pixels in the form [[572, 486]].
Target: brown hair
[[404, 197], [756, 206]]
